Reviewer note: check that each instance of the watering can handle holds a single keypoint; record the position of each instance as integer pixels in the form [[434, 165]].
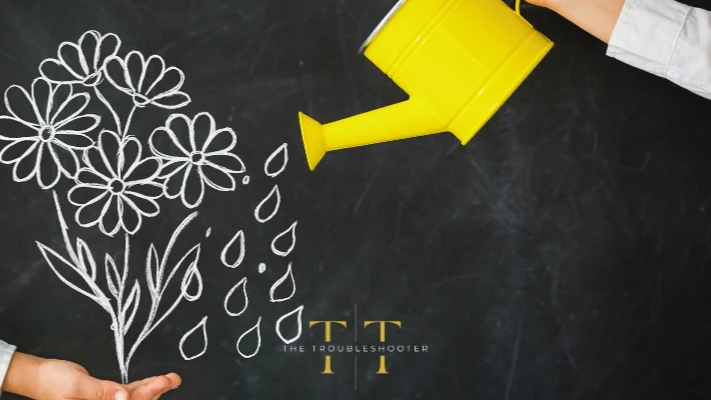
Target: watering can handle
[[518, 7]]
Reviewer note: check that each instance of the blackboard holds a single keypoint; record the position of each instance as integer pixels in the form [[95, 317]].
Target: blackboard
[[561, 254]]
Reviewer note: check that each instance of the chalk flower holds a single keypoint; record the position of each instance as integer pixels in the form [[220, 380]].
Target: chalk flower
[[206, 158], [147, 81], [117, 188], [45, 128], [81, 62]]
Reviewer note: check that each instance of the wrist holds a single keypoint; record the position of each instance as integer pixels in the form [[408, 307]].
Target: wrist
[[23, 375]]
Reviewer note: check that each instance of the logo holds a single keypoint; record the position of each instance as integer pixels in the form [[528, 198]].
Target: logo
[[374, 339]]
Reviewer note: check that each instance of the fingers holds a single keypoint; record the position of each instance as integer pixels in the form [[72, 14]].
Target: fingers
[[153, 388], [88, 388]]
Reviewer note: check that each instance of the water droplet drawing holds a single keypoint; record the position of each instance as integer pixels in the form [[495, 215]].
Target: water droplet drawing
[[288, 277], [274, 197], [242, 284], [279, 158], [237, 240], [201, 329], [296, 314], [289, 235], [262, 268], [253, 331]]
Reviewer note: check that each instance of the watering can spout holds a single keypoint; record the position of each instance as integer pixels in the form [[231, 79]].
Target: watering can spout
[[407, 119]]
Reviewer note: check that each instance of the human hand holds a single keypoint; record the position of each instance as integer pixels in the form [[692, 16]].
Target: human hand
[[597, 17], [552, 4], [46, 379]]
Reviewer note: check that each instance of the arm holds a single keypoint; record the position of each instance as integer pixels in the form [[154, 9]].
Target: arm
[[662, 37], [45, 379], [6, 353]]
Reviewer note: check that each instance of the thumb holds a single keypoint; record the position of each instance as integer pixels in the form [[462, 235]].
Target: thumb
[[89, 388]]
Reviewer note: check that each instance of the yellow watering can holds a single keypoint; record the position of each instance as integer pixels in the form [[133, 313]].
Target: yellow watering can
[[459, 60]]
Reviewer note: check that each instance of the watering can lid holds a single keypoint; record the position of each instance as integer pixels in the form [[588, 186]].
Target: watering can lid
[[381, 25]]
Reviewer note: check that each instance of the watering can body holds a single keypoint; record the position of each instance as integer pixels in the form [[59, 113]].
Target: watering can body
[[458, 60]]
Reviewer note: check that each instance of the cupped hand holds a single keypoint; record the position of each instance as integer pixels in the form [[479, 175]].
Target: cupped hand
[[64, 380]]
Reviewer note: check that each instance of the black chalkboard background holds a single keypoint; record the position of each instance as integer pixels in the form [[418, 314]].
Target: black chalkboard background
[[561, 254]]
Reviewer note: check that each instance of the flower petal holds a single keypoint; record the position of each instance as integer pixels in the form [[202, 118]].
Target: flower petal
[[69, 55], [170, 81], [109, 46], [173, 167], [42, 97], [165, 144], [26, 168], [13, 129], [69, 108], [87, 176], [109, 149], [171, 101], [20, 105], [111, 216], [54, 71], [145, 170], [95, 163], [220, 141], [150, 190], [65, 158], [73, 140], [226, 161], [81, 194], [145, 206], [131, 218], [89, 214], [203, 125], [218, 179], [17, 150], [129, 155], [89, 47], [181, 126], [173, 186], [116, 73], [152, 73], [193, 187], [135, 68], [82, 124], [48, 172]]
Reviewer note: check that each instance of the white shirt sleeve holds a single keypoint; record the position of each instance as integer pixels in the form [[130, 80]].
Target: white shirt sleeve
[[6, 352], [668, 39]]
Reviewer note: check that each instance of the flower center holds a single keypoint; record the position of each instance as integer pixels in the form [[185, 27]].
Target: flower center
[[117, 186], [46, 134], [197, 157]]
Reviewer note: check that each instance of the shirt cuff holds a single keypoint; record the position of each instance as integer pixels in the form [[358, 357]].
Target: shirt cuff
[[6, 353], [646, 34]]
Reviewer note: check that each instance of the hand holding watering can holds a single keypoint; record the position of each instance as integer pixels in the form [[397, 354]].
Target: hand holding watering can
[[459, 60]]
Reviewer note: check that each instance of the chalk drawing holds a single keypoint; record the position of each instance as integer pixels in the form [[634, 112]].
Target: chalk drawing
[[49, 135], [288, 275], [203, 161], [243, 285], [281, 154], [273, 196], [118, 72], [238, 239], [120, 188], [296, 313], [201, 327], [255, 330], [262, 268], [290, 231], [44, 144], [79, 272]]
